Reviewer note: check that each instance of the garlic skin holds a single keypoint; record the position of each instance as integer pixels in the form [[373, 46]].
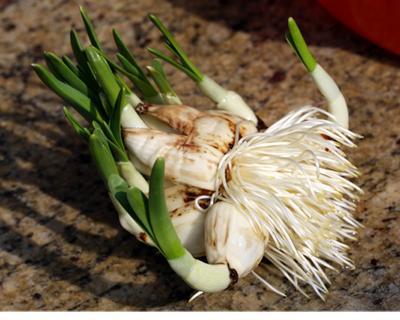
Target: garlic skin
[[231, 239]]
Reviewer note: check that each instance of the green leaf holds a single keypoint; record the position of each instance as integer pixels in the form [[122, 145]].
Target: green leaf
[[68, 62], [108, 136], [133, 201], [127, 54], [101, 154], [115, 119], [65, 73], [128, 67], [78, 100], [160, 220], [78, 128], [104, 75], [133, 74], [77, 48], [296, 41], [90, 29], [116, 184], [176, 49], [139, 203], [157, 72], [84, 70], [118, 188], [163, 56]]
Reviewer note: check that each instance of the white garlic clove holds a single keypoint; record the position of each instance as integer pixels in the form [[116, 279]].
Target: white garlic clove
[[194, 165], [189, 226], [179, 117], [231, 239], [213, 131], [179, 195], [245, 127]]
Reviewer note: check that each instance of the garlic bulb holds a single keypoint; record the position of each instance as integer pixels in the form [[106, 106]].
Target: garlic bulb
[[230, 238]]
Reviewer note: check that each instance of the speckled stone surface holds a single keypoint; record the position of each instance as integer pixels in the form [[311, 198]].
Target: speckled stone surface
[[61, 247]]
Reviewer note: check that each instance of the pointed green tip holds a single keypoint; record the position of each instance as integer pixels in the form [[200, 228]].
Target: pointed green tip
[[39, 69], [117, 37], [153, 18], [298, 44], [82, 10], [49, 54], [293, 27]]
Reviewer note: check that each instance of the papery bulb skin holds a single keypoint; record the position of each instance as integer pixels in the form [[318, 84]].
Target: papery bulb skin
[[231, 239]]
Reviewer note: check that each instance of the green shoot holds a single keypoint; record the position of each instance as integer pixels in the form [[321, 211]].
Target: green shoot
[[133, 201], [104, 129], [184, 64], [135, 72], [85, 72], [78, 128], [177, 65], [78, 100], [299, 46], [140, 205], [142, 84], [127, 54], [90, 29], [104, 75], [65, 73], [160, 220], [115, 119], [101, 154], [68, 62], [160, 78]]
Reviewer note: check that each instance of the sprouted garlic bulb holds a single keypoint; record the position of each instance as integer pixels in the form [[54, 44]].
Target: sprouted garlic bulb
[[284, 193]]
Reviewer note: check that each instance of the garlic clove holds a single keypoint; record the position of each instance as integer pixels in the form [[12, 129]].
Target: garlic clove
[[230, 238], [179, 117], [189, 226], [194, 165], [179, 195], [147, 144], [246, 127], [214, 131]]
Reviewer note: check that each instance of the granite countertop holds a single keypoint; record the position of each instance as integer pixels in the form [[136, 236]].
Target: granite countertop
[[61, 247]]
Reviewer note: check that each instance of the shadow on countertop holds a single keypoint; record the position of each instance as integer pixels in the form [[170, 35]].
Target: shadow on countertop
[[74, 189]]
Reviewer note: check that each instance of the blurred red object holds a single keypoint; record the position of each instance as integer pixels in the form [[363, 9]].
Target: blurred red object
[[376, 20]]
